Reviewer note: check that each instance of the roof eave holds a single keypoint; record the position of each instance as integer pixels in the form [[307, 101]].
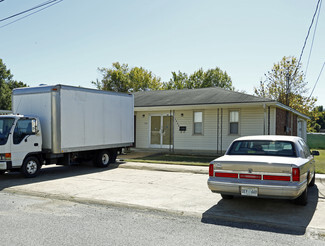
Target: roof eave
[[200, 106], [285, 107]]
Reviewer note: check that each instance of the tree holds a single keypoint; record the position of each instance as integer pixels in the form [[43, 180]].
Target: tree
[[177, 82], [120, 78], [317, 120], [285, 83], [7, 84], [199, 79]]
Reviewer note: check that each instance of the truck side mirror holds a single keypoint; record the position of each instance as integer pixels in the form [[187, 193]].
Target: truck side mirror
[[34, 126]]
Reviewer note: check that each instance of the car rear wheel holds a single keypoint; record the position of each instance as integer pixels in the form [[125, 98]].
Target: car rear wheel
[[312, 182], [302, 199], [224, 196]]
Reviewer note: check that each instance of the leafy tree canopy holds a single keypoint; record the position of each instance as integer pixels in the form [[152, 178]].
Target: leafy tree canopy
[[7, 84], [121, 78], [199, 79], [317, 121], [285, 83]]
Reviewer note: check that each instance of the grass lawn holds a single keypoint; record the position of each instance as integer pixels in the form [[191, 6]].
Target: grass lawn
[[320, 161], [175, 159], [205, 160]]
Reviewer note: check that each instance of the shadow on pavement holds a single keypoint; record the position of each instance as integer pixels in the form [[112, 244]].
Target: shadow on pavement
[[52, 172], [280, 216]]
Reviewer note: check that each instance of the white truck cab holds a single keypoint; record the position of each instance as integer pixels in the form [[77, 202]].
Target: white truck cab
[[20, 140]]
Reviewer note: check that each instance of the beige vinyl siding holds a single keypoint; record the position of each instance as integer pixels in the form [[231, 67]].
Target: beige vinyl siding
[[251, 122], [189, 140]]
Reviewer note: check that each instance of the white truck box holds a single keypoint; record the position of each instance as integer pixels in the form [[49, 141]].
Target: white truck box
[[78, 119]]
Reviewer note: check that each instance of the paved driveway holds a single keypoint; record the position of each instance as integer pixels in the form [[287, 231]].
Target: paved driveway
[[174, 189]]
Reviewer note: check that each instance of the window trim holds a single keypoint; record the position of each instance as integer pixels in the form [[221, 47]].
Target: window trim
[[202, 132], [238, 132]]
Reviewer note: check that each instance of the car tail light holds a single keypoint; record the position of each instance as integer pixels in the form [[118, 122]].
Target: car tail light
[[295, 174], [226, 175], [276, 177], [211, 170], [250, 176]]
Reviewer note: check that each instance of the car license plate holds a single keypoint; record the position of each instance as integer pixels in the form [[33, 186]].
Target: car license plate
[[249, 191]]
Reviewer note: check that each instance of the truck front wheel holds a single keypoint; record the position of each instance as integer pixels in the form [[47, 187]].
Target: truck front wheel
[[31, 167]]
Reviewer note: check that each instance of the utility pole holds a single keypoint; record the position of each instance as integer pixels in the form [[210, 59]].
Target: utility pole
[[287, 97]]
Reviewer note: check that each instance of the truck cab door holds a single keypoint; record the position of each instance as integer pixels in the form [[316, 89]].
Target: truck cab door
[[25, 139]]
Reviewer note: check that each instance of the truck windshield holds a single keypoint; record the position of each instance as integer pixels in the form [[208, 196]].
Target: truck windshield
[[258, 147], [5, 126]]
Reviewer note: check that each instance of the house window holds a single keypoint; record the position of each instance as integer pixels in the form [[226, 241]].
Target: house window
[[234, 122], [198, 123]]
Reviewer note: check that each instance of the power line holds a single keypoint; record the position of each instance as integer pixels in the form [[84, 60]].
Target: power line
[[47, 5], [317, 80], [25, 11], [312, 22], [312, 43]]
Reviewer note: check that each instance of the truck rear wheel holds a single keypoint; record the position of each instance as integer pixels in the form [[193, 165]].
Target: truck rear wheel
[[103, 159], [31, 167]]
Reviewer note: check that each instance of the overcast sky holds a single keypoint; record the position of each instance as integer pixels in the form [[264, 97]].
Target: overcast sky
[[67, 42]]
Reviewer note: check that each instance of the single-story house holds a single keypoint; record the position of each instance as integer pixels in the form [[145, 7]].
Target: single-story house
[[207, 120]]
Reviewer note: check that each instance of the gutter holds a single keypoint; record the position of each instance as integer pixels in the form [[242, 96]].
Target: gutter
[[280, 105]]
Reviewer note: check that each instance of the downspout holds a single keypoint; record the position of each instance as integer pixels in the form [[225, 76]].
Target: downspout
[[221, 132], [217, 131], [268, 120], [264, 119]]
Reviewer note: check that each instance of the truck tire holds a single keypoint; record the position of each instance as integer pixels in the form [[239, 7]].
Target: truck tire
[[31, 167], [103, 159], [303, 198]]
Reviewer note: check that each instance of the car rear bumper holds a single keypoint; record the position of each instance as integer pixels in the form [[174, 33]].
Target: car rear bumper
[[269, 189]]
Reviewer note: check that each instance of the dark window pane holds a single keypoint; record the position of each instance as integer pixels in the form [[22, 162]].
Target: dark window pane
[[234, 128]]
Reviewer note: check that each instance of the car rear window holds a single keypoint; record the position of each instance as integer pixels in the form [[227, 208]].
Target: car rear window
[[259, 147]]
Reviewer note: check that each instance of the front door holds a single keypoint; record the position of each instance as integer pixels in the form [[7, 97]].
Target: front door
[[24, 140], [161, 131]]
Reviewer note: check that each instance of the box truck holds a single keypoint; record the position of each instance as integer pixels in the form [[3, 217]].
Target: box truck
[[62, 125]]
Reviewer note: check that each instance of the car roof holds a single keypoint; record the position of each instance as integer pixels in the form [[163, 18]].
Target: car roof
[[270, 138]]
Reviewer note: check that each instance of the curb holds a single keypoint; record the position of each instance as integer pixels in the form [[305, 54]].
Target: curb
[[208, 218], [178, 168], [165, 167]]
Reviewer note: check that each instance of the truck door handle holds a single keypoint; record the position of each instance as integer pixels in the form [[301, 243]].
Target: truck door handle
[[35, 144]]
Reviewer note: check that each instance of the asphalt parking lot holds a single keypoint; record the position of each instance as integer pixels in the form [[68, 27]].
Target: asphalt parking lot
[[173, 189]]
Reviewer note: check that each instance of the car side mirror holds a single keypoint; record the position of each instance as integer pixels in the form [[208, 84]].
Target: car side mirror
[[315, 153]]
